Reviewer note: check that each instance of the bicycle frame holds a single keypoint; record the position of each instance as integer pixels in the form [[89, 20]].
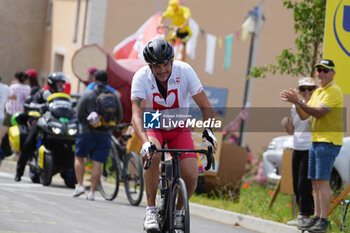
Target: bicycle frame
[[121, 162], [166, 190]]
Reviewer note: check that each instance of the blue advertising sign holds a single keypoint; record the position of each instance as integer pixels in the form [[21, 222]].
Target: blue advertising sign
[[218, 99]]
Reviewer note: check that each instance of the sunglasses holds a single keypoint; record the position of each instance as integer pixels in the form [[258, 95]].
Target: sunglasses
[[324, 70], [309, 88]]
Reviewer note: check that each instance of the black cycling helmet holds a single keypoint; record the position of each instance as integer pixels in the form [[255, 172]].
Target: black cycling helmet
[[158, 51], [55, 77]]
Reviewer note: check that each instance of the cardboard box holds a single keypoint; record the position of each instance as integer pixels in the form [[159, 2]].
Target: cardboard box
[[286, 170], [231, 168]]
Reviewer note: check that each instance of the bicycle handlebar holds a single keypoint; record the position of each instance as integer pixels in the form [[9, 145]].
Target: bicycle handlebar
[[208, 153], [167, 26], [122, 126]]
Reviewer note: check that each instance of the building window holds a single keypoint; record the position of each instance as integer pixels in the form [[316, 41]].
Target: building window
[[58, 62], [76, 26]]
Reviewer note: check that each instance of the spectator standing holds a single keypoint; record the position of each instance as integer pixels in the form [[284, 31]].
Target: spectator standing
[[91, 71], [300, 129], [92, 140], [5, 93], [21, 90], [326, 109], [33, 81]]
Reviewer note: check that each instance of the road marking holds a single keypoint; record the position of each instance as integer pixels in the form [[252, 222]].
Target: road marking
[[17, 231], [44, 192], [36, 191], [29, 221], [17, 211]]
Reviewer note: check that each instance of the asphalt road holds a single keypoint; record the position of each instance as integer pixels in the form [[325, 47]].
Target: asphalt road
[[33, 208]]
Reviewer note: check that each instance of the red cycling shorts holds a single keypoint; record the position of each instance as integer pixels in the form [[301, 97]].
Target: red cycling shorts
[[179, 138]]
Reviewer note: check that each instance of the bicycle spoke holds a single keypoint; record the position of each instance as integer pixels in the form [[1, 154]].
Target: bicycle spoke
[[133, 178], [109, 182]]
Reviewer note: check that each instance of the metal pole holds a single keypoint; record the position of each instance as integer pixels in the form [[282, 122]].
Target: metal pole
[[254, 44], [247, 88]]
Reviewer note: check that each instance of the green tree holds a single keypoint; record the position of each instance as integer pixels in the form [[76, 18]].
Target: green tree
[[309, 21]]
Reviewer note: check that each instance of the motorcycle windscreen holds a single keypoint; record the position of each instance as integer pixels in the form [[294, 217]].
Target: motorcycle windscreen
[[61, 108]]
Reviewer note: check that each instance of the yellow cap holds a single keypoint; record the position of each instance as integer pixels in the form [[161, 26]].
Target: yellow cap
[[173, 3]]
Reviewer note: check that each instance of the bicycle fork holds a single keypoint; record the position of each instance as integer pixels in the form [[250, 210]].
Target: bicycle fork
[[169, 173], [164, 190]]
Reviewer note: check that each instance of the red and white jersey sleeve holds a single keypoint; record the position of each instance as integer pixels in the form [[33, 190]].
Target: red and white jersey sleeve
[[183, 83]]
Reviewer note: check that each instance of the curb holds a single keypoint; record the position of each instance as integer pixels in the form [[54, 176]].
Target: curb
[[236, 219], [210, 213]]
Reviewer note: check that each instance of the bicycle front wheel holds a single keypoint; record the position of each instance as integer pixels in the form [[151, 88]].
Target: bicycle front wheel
[[180, 219], [109, 182], [133, 178]]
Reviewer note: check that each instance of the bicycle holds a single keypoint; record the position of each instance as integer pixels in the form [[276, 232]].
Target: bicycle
[[173, 188], [122, 167], [170, 33]]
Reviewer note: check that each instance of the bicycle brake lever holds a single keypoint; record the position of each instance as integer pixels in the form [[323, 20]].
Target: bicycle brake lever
[[207, 137], [210, 158]]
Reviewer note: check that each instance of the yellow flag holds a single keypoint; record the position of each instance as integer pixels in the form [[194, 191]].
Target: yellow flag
[[337, 40]]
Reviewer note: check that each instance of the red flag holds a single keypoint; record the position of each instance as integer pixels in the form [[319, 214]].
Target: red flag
[[132, 46]]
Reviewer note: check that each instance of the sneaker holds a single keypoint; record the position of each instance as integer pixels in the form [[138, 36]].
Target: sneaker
[[90, 196], [179, 223], [319, 227], [17, 178], [78, 191], [294, 222], [303, 226], [151, 221], [298, 221]]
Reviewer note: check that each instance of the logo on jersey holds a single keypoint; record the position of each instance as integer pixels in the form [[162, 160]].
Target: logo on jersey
[[172, 100], [151, 120], [341, 26]]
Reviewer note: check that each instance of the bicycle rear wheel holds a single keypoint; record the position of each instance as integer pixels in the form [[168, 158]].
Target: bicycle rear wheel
[[179, 195], [133, 178], [110, 177]]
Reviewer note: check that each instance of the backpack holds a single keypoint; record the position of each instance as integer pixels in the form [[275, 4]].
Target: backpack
[[106, 107]]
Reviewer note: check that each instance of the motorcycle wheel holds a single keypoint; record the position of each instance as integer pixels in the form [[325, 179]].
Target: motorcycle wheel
[[46, 174], [34, 176]]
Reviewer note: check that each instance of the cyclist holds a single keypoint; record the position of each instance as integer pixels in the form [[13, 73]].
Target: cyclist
[[166, 84], [180, 16], [55, 81]]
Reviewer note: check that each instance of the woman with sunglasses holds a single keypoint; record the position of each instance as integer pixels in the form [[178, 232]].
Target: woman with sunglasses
[[300, 129], [327, 130]]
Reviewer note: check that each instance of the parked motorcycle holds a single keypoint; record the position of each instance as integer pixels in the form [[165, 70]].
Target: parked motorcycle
[[57, 131]]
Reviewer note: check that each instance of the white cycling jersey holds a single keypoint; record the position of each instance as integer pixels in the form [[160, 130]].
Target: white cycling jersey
[[183, 83]]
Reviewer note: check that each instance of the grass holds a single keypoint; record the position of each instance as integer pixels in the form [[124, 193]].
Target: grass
[[253, 201]]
